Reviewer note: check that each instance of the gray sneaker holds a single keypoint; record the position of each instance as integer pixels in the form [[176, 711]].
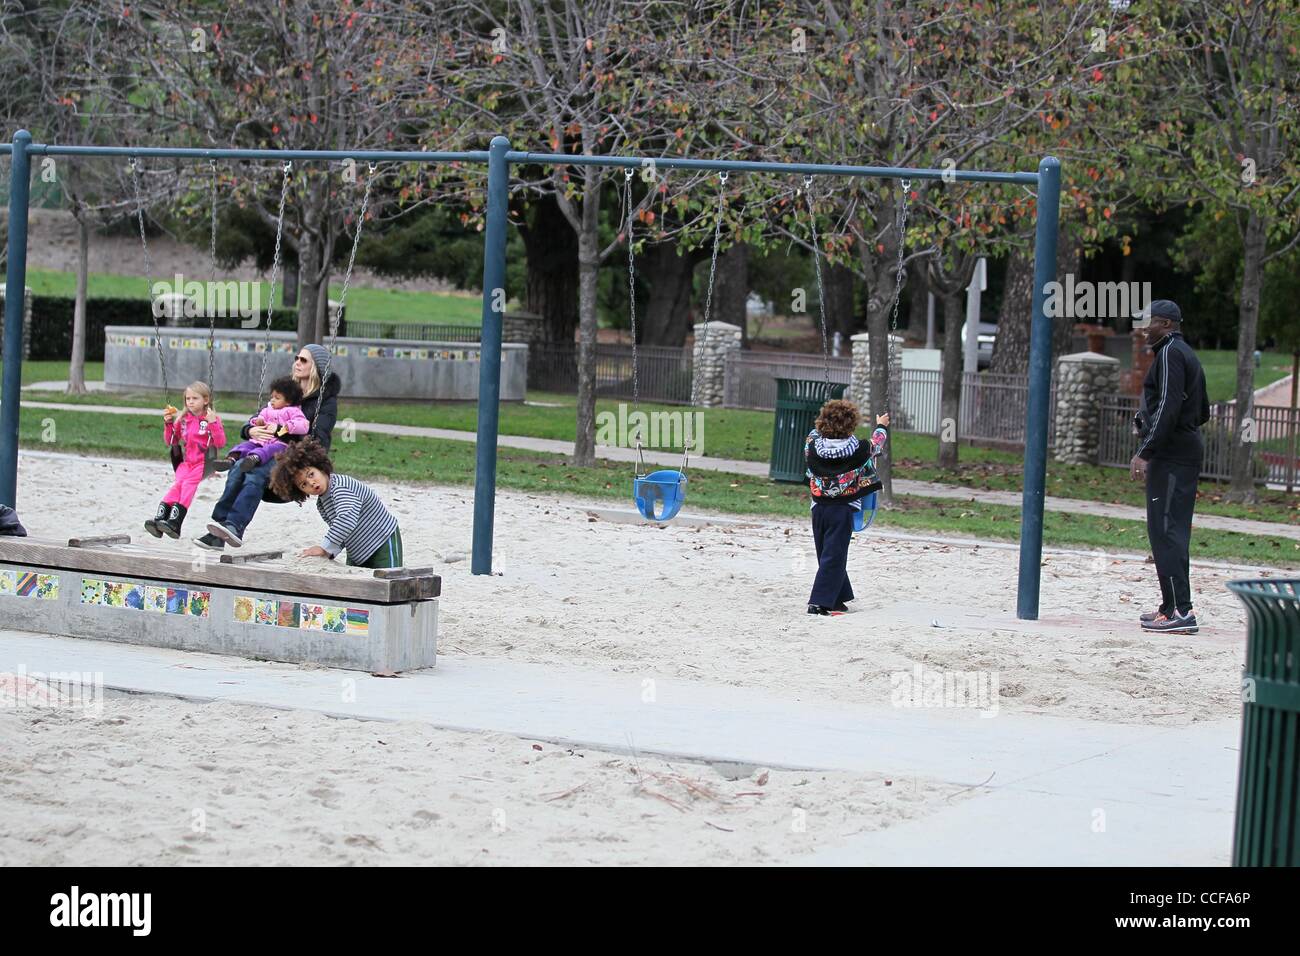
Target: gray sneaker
[[226, 533], [1174, 624], [1150, 615]]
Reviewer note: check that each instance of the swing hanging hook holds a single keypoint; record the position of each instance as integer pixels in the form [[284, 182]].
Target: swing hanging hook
[[722, 176], [907, 184], [372, 167], [627, 173]]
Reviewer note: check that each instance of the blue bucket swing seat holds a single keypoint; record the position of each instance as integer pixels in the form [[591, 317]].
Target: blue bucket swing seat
[[665, 489], [862, 518]]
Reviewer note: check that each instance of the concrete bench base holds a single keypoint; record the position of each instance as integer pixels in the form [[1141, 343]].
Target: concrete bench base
[[336, 632]]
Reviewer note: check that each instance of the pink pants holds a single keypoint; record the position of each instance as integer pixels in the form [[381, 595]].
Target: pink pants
[[186, 485]]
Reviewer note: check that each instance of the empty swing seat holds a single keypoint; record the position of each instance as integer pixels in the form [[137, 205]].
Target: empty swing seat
[[666, 488], [862, 518]]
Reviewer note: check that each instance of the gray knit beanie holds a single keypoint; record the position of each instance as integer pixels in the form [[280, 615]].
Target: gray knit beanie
[[321, 356]]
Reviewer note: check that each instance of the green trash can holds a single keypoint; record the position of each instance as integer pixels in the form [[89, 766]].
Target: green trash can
[[798, 401], [1268, 784]]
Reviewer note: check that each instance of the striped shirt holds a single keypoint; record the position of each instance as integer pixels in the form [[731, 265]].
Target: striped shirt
[[356, 517]]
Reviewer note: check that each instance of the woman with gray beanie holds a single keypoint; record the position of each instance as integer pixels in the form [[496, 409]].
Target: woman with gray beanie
[[246, 490]]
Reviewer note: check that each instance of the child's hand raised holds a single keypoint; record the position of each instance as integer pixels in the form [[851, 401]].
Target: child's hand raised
[[210, 416], [883, 419], [169, 414]]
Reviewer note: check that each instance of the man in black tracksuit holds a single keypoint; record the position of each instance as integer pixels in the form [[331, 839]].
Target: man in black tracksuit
[[1169, 454]]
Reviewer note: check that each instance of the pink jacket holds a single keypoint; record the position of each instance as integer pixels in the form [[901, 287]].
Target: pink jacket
[[195, 436], [290, 419]]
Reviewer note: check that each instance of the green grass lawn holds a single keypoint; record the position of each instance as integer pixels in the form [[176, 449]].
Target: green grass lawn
[[731, 433], [377, 305], [452, 462], [1221, 372]]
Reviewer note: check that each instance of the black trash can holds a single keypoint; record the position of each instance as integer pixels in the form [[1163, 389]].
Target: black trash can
[[1268, 783], [798, 401]]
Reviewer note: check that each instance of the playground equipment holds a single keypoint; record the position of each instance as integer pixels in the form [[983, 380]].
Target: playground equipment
[[499, 157]]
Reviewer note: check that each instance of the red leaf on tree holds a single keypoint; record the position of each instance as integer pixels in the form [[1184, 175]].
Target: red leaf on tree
[[275, 128], [1097, 76]]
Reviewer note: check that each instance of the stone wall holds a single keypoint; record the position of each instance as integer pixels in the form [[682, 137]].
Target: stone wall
[[1083, 381], [522, 327], [714, 341]]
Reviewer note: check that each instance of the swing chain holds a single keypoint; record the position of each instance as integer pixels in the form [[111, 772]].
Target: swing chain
[[212, 256], [343, 294], [821, 294], [275, 275], [148, 275], [631, 294], [898, 280]]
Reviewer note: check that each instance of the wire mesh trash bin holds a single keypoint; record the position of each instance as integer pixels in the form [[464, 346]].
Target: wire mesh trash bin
[[1268, 783], [798, 401]]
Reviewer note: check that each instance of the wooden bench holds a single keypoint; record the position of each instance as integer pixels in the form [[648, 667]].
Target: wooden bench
[[111, 590]]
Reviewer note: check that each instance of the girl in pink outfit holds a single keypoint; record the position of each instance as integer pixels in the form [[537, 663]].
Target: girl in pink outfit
[[194, 432], [283, 414]]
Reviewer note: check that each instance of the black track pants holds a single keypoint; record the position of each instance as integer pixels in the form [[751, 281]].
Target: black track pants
[[1171, 498], [832, 527]]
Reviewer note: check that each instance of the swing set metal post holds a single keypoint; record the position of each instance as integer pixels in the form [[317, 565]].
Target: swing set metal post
[[499, 158], [20, 176]]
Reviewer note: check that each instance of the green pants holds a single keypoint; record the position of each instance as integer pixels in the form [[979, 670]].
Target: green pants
[[389, 554]]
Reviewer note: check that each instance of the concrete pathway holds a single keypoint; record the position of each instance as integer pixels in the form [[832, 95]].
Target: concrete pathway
[[926, 489], [1039, 786]]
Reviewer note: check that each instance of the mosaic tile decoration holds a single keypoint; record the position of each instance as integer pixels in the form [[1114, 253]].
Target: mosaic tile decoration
[[343, 351], [29, 584], [145, 597], [302, 616]]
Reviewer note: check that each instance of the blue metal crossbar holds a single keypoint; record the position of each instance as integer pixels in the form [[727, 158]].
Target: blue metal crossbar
[[499, 157]]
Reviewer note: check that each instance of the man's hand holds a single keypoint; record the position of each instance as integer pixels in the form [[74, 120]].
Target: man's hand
[[315, 551], [260, 432], [1137, 468]]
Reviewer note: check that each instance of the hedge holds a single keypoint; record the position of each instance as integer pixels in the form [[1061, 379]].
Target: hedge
[[51, 336]]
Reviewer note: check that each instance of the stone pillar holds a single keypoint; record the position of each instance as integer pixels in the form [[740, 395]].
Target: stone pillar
[[714, 341], [27, 322], [1083, 381], [859, 389], [522, 327]]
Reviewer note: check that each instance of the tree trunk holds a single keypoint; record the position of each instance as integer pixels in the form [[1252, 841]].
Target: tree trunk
[[950, 378], [839, 303], [668, 276], [1242, 485], [309, 289], [584, 446], [731, 289], [77, 367], [918, 294], [323, 307], [551, 284], [1011, 344]]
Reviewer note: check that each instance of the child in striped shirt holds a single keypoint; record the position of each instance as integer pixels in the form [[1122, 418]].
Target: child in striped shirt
[[357, 520]]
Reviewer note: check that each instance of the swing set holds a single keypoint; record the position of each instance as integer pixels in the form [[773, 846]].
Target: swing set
[[664, 490]]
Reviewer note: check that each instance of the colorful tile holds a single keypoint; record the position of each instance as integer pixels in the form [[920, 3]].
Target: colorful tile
[[134, 597], [155, 599], [200, 601], [47, 587], [311, 617], [267, 611], [8, 582], [358, 620], [288, 614], [177, 600], [243, 609], [92, 591], [335, 620], [26, 583]]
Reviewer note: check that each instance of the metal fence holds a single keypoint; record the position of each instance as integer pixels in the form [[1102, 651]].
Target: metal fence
[[416, 331], [663, 372], [750, 380], [1276, 433]]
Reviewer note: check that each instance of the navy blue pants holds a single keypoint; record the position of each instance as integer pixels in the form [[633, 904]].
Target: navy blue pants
[[243, 495], [832, 527]]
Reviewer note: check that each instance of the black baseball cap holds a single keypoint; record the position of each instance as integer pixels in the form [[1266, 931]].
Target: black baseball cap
[[1163, 309]]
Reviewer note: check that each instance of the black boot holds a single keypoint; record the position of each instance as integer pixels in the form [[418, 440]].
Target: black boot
[[172, 526], [152, 524]]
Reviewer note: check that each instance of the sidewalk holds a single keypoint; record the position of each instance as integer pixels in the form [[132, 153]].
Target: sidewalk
[[1165, 795], [926, 489]]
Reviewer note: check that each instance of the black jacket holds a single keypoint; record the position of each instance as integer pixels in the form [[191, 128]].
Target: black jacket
[[1174, 404], [323, 427]]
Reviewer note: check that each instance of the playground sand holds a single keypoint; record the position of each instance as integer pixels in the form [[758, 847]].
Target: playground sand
[[162, 781], [727, 605]]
